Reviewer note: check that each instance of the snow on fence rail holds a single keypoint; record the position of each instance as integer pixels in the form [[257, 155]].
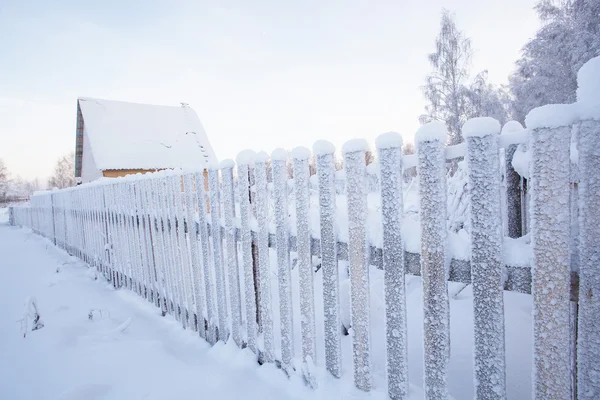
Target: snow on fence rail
[[154, 234]]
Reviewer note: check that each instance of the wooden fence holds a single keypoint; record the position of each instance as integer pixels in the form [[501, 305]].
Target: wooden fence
[[209, 267]]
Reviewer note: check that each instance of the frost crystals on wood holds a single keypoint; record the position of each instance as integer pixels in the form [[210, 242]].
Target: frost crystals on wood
[[278, 164], [483, 160], [390, 161], [232, 259], [329, 264], [354, 160], [262, 209], [300, 157], [431, 168]]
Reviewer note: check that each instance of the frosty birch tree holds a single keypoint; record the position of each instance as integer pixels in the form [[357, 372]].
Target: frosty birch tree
[[431, 168], [450, 97], [354, 160], [445, 86], [324, 153], [389, 146], [550, 239], [546, 71], [487, 268], [63, 175], [588, 343]]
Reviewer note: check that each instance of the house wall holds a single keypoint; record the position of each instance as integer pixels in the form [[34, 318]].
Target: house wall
[[89, 171], [115, 173]]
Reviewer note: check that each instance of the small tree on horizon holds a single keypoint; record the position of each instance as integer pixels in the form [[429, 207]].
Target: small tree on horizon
[[4, 181], [64, 172]]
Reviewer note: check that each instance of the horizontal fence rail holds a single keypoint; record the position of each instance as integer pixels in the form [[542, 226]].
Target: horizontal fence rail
[[198, 246]]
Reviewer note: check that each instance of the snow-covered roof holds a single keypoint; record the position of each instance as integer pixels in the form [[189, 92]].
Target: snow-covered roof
[[125, 135]]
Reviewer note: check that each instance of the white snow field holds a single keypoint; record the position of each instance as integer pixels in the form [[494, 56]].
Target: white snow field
[[128, 351]]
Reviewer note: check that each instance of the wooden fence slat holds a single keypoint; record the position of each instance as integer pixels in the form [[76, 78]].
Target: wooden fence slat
[[279, 172], [354, 161], [389, 146], [550, 231], [211, 322], [262, 212], [217, 250], [588, 343], [168, 238], [232, 255], [300, 156], [324, 152], [481, 135], [432, 192], [195, 262], [243, 161]]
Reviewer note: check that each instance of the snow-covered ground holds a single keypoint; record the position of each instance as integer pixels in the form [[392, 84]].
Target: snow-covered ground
[[128, 351]]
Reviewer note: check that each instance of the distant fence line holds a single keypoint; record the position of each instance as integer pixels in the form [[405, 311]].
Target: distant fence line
[[136, 232]]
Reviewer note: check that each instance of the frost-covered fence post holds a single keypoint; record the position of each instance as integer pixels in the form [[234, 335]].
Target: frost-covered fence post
[[168, 228], [190, 207], [262, 211], [155, 243], [215, 220], [431, 168], [244, 159], [232, 255], [279, 168], [211, 334], [174, 195], [513, 185], [300, 156], [588, 342], [389, 146], [550, 238], [358, 253], [324, 152], [481, 135]]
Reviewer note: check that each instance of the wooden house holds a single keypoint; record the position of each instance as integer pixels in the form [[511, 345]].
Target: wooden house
[[116, 138]]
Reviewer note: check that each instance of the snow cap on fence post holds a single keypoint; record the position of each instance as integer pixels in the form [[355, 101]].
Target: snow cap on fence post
[[244, 160], [245, 157], [278, 165], [389, 147], [588, 331], [431, 167], [262, 212], [588, 89], [481, 135], [324, 153], [550, 239], [358, 252], [512, 127], [300, 157]]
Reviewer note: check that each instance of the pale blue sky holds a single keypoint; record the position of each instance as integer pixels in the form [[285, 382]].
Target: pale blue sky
[[260, 74]]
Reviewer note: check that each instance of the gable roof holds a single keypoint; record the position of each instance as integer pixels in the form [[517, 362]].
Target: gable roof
[[125, 135]]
